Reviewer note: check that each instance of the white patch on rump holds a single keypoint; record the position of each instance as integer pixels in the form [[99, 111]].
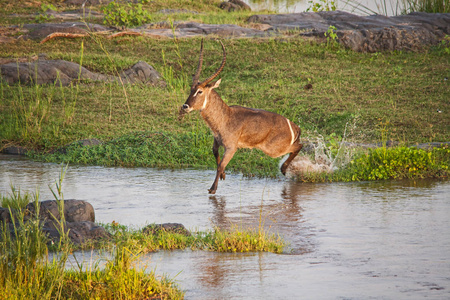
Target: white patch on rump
[[292, 131]]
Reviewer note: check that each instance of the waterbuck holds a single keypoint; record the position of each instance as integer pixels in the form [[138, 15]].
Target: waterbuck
[[239, 127]]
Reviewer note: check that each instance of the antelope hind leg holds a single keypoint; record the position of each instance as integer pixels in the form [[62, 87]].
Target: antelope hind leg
[[290, 158]]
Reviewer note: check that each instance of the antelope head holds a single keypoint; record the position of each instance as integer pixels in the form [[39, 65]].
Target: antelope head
[[198, 98]]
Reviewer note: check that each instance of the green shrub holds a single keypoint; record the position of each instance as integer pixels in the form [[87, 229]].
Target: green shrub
[[125, 15], [398, 163], [322, 5]]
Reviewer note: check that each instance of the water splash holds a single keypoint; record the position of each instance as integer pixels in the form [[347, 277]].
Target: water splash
[[323, 155]]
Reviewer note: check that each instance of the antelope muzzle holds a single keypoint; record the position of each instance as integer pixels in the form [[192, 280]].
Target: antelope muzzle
[[183, 111]]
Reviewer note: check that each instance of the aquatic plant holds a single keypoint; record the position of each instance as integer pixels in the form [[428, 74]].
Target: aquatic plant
[[398, 163], [397, 7], [235, 239], [26, 272], [385, 163]]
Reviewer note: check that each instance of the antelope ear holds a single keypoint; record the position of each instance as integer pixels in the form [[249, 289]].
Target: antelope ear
[[216, 85]]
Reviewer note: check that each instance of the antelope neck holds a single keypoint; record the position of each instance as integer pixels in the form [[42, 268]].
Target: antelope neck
[[215, 113]]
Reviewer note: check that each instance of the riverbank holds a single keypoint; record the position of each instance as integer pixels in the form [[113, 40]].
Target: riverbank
[[333, 94]]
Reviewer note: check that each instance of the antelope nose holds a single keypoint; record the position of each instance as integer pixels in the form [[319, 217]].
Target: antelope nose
[[185, 106]]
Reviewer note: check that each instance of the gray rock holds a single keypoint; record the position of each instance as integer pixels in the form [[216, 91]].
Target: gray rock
[[78, 232], [141, 72], [234, 5], [79, 220], [76, 14], [84, 143], [193, 29], [40, 31], [74, 210], [64, 72], [5, 216], [177, 11], [427, 146], [15, 150], [87, 2], [366, 34], [168, 227]]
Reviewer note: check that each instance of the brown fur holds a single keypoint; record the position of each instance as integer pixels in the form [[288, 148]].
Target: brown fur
[[237, 127]]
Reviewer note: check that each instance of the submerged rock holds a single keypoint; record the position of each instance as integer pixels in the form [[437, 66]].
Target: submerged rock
[[167, 227]]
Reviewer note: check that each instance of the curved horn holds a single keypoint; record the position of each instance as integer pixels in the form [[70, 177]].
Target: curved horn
[[199, 67], [209, 79]]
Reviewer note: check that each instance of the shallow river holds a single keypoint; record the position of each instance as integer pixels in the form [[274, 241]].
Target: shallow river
[[359, 7], [367, 240]]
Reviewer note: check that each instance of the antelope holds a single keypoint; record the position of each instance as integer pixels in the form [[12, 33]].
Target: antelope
[[237, 127]]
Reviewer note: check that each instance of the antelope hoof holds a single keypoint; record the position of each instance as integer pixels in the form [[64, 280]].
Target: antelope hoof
[[283, 170], [211, 191]]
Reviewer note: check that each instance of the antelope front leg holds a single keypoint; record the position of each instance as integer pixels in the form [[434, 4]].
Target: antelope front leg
[[227, 156], [215, 150]]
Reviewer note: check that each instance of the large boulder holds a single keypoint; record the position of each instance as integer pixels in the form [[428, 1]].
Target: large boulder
[[78, 232], [365, 33], [79, 218], [74, 210], [64, 72]]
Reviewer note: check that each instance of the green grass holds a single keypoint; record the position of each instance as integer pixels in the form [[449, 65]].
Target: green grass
[[208, 12], [388, 163], [236, 239], [374, 87], [139, 123], [27, 273]]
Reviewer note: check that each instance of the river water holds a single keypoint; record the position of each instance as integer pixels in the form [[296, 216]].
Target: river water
[[365, 240], [359, 7]]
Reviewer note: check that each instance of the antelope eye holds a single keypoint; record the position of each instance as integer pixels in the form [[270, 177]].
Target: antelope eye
[[200, 91]]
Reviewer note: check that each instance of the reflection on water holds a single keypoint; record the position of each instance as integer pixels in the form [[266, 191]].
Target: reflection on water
[[382, 240], [359, 7]]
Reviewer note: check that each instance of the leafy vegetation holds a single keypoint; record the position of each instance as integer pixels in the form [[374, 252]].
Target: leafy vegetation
[[125, 15], [322, 5], [399, 163], [388, 163], [27, 273], [220, 240], [139, 124]]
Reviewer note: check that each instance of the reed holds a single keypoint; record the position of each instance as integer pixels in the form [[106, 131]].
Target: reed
[[26, 272], [401, 7]]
